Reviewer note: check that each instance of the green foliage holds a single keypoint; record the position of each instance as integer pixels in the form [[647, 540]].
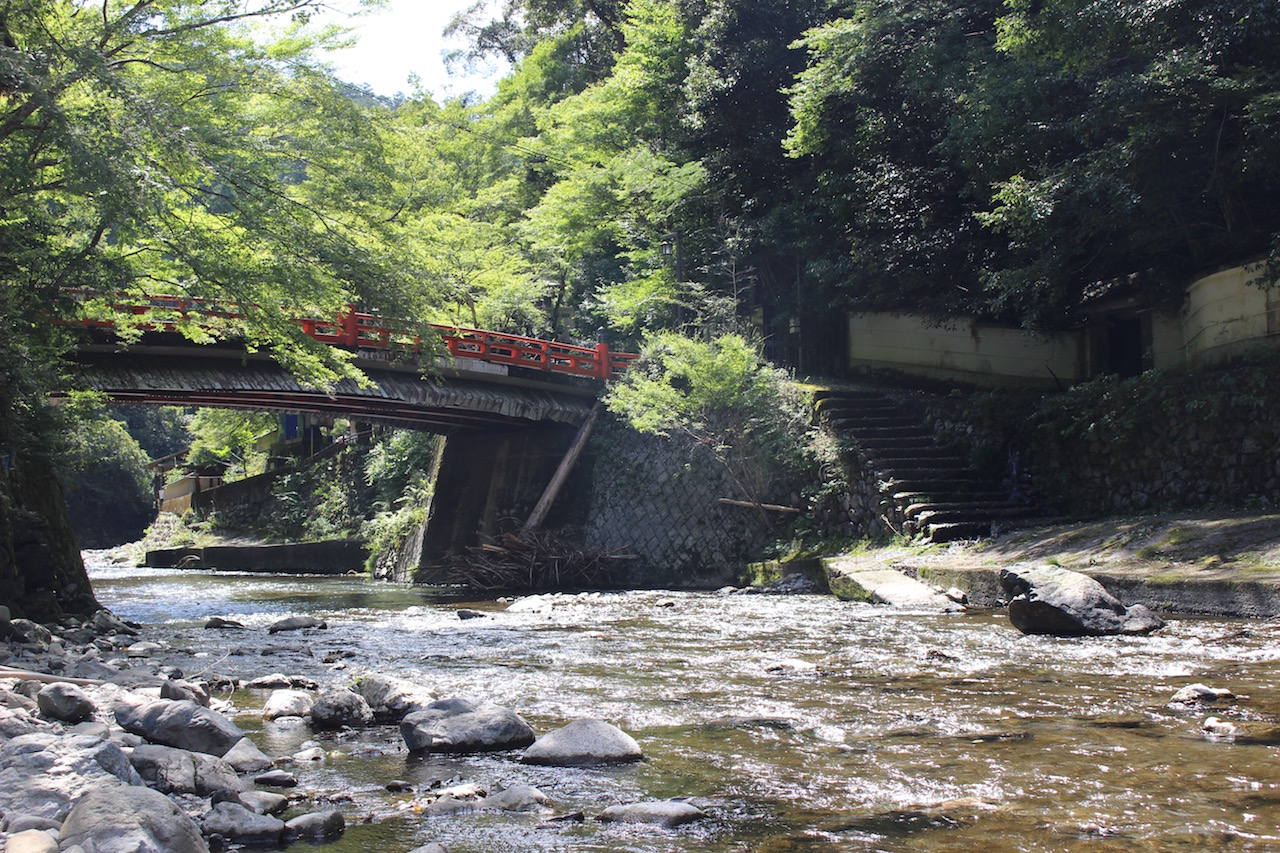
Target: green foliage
[[159, 430], [108, 488], [721, 394], [229, 437]]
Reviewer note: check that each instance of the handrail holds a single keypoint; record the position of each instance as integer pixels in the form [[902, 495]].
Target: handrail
[[363, 331]]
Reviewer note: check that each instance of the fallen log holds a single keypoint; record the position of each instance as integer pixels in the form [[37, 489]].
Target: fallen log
[[753, 505], [46, 678]]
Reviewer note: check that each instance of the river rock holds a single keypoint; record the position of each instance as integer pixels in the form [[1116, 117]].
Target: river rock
[[183, 724], [263, 802], [42, 773], [335, 709], [274, 681], [583, 742], [132, 819], [239, 825], [287, 703], [664, 813], [6, 617], [315, 825], [517, 798], [10, 699], [219, 623], [179, 690], [1200, 694], [1063, 603], [294, 623], [31, 841], [276, 779], [392, 698], [15, 722], [464, 725], [106, 622], [433, 847], [178, 771], [27, 631], [66, 703], [245, 757], [23, 822]]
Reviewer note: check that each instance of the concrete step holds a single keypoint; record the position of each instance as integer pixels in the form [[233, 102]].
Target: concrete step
[[960, 530], [907, 497], [918, 469], [976, 512]]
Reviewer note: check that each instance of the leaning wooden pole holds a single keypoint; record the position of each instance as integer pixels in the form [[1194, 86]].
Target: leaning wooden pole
[[570, 459]]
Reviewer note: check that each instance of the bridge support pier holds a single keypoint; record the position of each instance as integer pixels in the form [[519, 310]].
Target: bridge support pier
[[488, 482]]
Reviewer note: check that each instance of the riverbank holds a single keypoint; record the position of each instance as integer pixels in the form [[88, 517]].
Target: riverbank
[[1216, 564]]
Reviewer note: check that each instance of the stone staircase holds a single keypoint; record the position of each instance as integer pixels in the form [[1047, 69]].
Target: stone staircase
[[924, 489]]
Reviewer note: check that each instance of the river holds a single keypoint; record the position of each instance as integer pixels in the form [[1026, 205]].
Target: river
[[797, 723]]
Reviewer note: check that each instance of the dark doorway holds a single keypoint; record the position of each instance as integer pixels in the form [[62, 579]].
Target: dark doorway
[[1125, 346]]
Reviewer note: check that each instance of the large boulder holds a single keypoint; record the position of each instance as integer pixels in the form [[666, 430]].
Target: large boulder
[[464, 725], [583, 742], [238, 825], [183, 724], [392, 698], [245, 757], [42, 774], [1063, 603], [336, 709], [133, 819], [178, 771], [296, 623], [31, 841], [64, 702], [315, 825]]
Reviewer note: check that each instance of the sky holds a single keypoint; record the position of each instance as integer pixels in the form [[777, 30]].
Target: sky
[[406, 38]]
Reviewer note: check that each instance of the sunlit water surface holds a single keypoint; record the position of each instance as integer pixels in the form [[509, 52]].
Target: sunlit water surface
[[798, 723]]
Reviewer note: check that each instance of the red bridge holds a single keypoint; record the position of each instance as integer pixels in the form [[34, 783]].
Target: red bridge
[[480, 379], [360, 331]]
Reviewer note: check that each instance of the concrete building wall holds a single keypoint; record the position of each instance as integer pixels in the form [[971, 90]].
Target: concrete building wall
[[1226, 315], [965, 350]]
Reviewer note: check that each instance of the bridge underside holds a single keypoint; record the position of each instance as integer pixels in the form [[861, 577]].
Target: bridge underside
[[400, 398]]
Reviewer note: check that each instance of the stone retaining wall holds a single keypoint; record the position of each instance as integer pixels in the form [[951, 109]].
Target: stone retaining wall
[[659, 499]]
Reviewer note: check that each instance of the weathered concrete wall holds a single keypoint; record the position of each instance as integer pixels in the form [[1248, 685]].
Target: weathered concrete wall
[[965, 350], [659, 499], [1226, 315]]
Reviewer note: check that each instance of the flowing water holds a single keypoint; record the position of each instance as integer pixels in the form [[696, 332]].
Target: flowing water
[[797, 723]]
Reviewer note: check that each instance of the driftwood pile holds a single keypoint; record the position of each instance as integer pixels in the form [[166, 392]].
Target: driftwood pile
[[535, 561]]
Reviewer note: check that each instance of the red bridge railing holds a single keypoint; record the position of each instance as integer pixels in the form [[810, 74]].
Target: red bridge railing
[[356, 330]]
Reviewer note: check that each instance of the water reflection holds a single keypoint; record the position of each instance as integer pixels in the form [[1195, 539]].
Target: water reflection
[[798, 723]]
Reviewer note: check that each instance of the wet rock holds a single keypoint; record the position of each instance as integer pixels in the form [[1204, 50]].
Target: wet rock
[[26, 631], [221, 624], [449, 805], [274, 681], [517, 798], [465, 613], [134, 819], [295, 623], [433, 847], [178, 771], [1063, 603], [31, 841], [391, 699], [239, 825], [42, 773], [263, 802], [664, 813], [185, 725], [66, 703], [335, 709], [583, 742], [463, 725], [1218, 728], [316, 825], [179, 691], [398, 786], [1200, 694], [245, 757], [276, 779], [143, 649], [287, 703]]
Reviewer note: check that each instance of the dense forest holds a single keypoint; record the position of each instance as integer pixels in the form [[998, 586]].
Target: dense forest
[[696, 166]]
